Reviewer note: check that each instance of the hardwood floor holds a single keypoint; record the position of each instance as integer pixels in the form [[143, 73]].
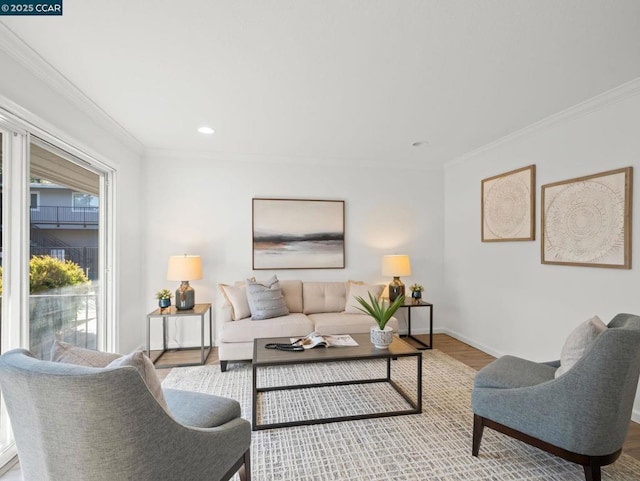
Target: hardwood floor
[[458, 350], [464, 353]]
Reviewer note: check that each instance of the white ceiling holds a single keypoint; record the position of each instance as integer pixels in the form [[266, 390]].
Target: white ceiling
[[344, 80]]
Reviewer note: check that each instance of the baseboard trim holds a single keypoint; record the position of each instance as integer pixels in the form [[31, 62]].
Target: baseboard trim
[[472, 343], [421, 332]]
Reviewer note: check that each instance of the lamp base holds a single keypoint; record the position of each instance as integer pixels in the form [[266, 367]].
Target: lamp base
[[396, 289], [185, 297]]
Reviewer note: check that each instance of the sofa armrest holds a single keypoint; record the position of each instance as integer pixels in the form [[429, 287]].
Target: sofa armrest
[[223, 312], [223, 316]]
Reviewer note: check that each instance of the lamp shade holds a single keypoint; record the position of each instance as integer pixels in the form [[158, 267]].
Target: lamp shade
[[184, 268], [396, 266]]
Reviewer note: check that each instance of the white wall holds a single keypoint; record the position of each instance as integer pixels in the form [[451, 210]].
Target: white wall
[[202, 205], [499, 297], [27, 95]]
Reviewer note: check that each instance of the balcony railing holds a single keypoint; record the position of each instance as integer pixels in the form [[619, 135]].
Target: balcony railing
[[58, 216], [67, 314]]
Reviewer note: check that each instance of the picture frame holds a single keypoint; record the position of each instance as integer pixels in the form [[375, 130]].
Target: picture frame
[[298, 234], [508, 206], [586, 221]]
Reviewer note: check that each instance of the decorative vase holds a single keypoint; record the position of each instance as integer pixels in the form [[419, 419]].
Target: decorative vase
[[381, 338], [416, 294], [163, 303]]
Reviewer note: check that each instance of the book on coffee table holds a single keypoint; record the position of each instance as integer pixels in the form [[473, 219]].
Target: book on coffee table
[[316, 339]]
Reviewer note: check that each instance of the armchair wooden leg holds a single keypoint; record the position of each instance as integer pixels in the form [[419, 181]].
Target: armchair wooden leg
[[242, 466], [478, 429], [592, 471], [245, 470], [223, 366]]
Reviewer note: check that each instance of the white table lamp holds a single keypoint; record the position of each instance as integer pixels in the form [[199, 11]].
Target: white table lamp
[[396, 266], [185, 268]]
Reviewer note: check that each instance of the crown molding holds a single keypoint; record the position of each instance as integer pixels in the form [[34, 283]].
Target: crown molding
[[151, 154], [239, 157], [14, 46], [23, 121], [610, 97]]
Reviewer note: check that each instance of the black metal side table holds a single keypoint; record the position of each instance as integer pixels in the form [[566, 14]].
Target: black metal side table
[[409, 304], [199, 310]]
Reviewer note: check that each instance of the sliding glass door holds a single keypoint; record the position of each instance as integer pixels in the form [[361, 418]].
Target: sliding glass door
[[54, 248], [64, 243]]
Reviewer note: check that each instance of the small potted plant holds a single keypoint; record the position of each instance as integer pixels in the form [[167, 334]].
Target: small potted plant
[[382, 335], [416, 291], [164, 298]]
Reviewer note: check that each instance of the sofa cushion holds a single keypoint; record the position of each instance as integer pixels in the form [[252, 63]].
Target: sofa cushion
[[236, 297], [201, 410], [266, 299], [292, 292], [578, 342], [341, 323], [509, 372], [324, 297], [360, 290], [68, 353], [246, 330]]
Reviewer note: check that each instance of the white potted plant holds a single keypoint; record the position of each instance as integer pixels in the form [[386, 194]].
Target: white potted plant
[[382, 335]]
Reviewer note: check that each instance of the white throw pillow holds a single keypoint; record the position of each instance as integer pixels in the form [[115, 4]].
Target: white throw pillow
[[360, 290], [236, 296], [147, 371], [578, 342]]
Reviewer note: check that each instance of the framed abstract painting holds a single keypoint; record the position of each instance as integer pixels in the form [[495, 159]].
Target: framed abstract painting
[[298, 234]]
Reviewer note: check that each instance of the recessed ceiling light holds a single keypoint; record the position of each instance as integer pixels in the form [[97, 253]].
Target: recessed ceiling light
[[206, 130], [420, 143]]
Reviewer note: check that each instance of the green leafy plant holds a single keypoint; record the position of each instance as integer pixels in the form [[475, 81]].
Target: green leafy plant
[[164, 294], [46, 272], [417, 288], [380, 311], [59, 291]]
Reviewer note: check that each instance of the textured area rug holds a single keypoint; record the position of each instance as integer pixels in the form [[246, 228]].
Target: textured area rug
[[434, 445]]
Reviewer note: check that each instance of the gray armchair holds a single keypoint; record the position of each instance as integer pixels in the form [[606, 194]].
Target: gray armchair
[[582, 416], [77, 423]]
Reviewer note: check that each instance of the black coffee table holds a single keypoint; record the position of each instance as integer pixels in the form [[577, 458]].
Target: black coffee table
[[263, 357]]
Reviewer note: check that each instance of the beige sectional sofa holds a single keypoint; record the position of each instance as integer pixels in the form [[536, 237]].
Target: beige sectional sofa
[[325, 307]]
